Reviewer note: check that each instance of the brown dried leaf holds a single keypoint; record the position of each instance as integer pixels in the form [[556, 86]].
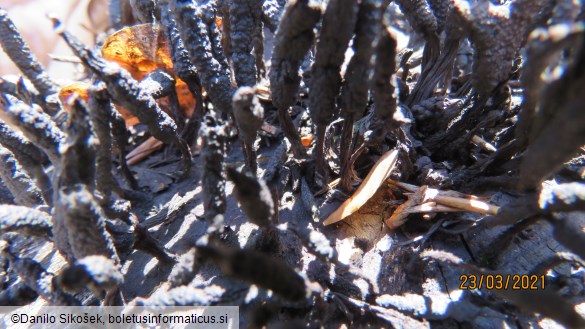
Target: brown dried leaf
[[143, 150], [367, 189]]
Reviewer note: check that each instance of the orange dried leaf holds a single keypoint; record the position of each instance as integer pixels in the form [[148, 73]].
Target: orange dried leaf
[[142, 49], [367, 188], [306, 141], [79, 88], [139, 49]]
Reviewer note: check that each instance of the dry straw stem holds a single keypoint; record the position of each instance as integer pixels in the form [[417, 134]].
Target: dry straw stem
[[453, 199], [193, 30], [17, 49], [430, 207], [483, 144], [367, 189], [25, 221]]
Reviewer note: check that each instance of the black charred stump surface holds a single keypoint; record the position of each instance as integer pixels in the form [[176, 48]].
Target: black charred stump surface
[[486, 100]]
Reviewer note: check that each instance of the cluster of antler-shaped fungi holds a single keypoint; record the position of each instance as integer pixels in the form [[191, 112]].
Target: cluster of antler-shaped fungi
[[337, 78]]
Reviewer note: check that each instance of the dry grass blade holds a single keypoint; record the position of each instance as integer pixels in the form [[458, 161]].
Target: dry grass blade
[[430, 207], [455, 199], [483, 144], [468, 204], [368, 187], [143, 150]]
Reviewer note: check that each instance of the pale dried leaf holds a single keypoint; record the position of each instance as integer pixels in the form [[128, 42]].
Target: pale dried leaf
[[367, 189]]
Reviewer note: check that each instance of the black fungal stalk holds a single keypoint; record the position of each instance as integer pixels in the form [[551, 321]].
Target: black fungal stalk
[[194, 32], [214, 135], [30, 158], [25, 221], [253, 196], [78, 220], [293, 40], [37, 278], [126, 91], [257, 268], [17, 49], [116, 13], [34, 124], [183, 67], [249, 115], [421, 18], [493, 59], [244, 17], [22, 187], [338, 26], [384, 91], [96, 272], [354, 91], [100, 112], [121, 135], [271, 12], [145, 11]]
